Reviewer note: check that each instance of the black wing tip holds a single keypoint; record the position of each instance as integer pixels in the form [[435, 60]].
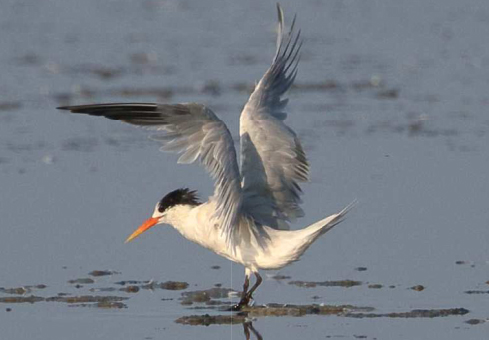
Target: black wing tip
[[91, 108], [73, 109]]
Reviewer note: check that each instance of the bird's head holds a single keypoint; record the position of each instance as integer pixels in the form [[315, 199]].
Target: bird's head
[[164, 206]]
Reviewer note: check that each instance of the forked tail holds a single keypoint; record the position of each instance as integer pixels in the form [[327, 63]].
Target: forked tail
[[335, 219], [288, 246], [326, 224]]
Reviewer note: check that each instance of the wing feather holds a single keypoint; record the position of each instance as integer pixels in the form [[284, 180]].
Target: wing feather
[[194, 131], [273, 161]]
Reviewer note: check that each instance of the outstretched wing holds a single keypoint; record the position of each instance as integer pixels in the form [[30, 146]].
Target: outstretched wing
[[196, 132], [272, 159]]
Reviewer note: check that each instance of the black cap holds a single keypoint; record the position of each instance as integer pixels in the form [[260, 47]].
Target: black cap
[[178, 197]]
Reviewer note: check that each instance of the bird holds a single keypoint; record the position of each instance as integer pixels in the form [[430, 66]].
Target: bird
[[248, 217]]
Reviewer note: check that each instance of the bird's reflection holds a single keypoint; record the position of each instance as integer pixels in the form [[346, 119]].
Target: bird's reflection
[[249, 329]]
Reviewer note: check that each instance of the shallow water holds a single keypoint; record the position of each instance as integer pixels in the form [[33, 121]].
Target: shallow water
[[391, 104]]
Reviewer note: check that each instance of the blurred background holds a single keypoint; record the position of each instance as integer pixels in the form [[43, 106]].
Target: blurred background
[[391, 103]]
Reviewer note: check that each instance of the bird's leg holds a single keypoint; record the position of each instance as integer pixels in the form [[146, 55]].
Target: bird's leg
[[247, 294], [243, 301], [255, 286], [245, 287]]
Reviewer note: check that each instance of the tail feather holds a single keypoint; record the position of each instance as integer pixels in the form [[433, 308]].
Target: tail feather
[[336, 219], [326, 224], [288, 246]]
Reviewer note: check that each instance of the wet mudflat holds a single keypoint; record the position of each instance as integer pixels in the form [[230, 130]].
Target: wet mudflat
[[390, 102], [103, 290]]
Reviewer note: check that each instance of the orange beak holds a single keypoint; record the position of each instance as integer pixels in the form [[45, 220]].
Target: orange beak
[[145, 226]]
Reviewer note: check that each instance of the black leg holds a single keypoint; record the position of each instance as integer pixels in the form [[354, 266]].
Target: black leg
[[244, 301], [247, 294], [245, 286], [255, 286]]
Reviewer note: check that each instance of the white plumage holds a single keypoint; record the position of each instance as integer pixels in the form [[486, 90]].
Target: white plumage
[[247, 218]]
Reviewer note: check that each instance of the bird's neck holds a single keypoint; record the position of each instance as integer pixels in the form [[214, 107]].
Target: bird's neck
[[179, 215], [183, 218], [195, 223]]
